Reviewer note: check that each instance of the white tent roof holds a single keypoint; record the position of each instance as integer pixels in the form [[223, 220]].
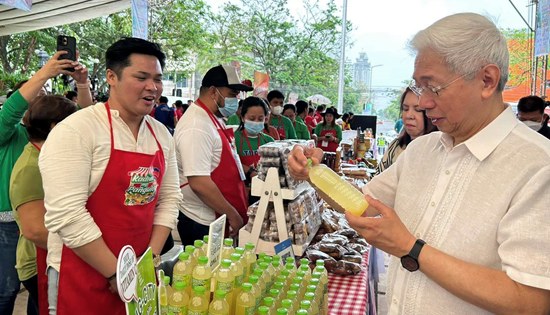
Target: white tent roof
[[47, 13]]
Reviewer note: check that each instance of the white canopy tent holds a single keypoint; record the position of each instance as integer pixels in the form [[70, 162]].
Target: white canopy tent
[[48, 13]]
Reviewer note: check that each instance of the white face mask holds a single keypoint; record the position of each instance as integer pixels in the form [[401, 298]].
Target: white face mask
[[532, 124], [277, 110]]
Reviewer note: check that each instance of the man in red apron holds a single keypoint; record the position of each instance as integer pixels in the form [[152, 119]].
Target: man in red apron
[[110, 179], [211, 175]]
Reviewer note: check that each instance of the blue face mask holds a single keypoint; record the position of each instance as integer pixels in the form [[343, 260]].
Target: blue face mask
[[231, 106], [253, 127]]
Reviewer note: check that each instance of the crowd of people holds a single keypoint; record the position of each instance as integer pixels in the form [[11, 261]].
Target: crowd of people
[[81, 180]]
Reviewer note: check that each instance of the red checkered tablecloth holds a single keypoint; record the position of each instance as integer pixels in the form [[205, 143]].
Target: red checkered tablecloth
[[348, 295]]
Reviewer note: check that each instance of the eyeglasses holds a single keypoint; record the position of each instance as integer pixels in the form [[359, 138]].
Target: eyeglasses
[[421, 90]]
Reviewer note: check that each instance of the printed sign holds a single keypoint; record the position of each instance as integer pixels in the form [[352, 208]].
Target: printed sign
[[145, 290], [25, 5], [215, 241], [542, 33], [126, 274], [284, 249], [140, 19]]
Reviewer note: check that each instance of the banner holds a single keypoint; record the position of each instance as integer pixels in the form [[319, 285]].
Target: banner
[[542, 33], [140, 25], [24, 5], [261, 84], [145, 301]]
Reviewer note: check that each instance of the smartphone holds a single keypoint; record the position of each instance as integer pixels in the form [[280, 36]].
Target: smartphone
[[68, 44]]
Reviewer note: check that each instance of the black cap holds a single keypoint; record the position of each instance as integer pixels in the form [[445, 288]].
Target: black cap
[[224, 76]]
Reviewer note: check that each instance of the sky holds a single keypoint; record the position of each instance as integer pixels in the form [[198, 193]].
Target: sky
[[383, 28]]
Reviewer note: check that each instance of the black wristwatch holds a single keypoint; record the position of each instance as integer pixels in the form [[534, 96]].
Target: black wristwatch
[[410, 261]]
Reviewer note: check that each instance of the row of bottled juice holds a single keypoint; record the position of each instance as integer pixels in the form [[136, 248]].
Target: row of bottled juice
[[243, 284]]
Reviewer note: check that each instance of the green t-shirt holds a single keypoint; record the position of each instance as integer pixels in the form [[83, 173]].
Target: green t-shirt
[[25, 186], [242, 144], [13, 138], [277, 121], [320, 128], [233, 120], [301, 130]]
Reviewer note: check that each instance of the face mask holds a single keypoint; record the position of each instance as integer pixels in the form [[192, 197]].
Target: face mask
[[277, 110], [231, 106], [532, 124], [253, 127]]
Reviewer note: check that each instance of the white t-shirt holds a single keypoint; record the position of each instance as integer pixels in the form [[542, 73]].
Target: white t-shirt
[[198, 150], [484, 201], [72, 163]]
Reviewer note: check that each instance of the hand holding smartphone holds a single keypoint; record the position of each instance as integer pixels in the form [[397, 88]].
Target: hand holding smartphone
[[68, 44]]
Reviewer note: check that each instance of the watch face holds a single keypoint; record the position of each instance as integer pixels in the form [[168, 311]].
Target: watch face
[[409, 263]]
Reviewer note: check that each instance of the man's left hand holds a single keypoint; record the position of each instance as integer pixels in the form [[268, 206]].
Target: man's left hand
[[386, 232]]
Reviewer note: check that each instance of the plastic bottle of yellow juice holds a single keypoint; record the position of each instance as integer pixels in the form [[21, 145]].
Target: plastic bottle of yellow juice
[[225, 281], [309, 296], [190, 249], [263, 310], [267, 276], [219, 305], [202, 275], [276, 263], [245, 301], [227, 248], [276, 295], [298, 286], [286, 303], [205, 240], [254, 281], [342, 195], [198, 304], [163, 294], [258, 272], [179, 300], [182, 270], [237, 269], [316, 288], [242, 252], [270, 268], [269, 302], [200, 249], [306, 305], [282, 311], [293, 296], [249, 257]]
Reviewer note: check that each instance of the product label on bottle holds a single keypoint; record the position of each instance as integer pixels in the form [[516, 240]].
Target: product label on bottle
[[249, 310], [200, 282], [177, 310], [226, 286], [239, 281], [193, 312]]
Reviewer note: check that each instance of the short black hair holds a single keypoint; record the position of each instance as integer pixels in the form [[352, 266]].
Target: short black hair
[[249, 102], [301, 106], [275, 94], [163, 100], [179, 103], [117, 56], [71, 94], [320, 108], [45, 110], [531, 103], [289, 106]]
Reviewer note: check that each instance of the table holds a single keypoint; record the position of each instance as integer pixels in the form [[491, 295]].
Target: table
[[351, 295]]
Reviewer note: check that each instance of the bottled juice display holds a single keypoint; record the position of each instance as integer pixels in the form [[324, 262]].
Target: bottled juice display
[[202, 275], [190, 249], [237, 269], [270, 269], [249, 257], [241, 251], [285, 278], [342, 195], [276, 295], [227, 248], [225, 280], [258, 272], [266, 275], [179, 300], [219, 305], [270, 303], [293, 296], [286, 303], [314, 308], [246, 302], [198, 304], [276, 263], [254, 280], [296, 287], [183, 271], [163, 294]]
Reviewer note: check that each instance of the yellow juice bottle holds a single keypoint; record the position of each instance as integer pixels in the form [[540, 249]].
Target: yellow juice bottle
[[225, 281], [202, 275], [266, 274], [237, 269], [282, 311], [227, 248], [249, 257], [316, 287], [241, 251], [270, 303], [179, 300], [323, 279], [314, 309], [277, 265], [163, 294], [305, 305], [182, 271], [205, 240], [254, 281], [342, 195], [293, 296], [200, 249], [263, 310], [301, 312], [259, 273], [276, 295], [245, 301], [198, 304], [286, 303], [219, 305], [190, 249]]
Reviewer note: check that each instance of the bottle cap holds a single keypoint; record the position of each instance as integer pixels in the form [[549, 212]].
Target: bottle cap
[[263, 310], [268, 259], [309, 296], [311, 288], [320, 269], [235, 257], [239, 250], [179, 286], [253, 279], [183, 256], [316, 275], [291, 294], [268, 301], [305, 304], [286, 303], [198, 243], [249, 246], [189, 249], [220, 294], [320, 262], [166, 280], [228, 242], [278, 285], [290, 260], [274, 292], [205, 239], [282, 311], [203, 260], [199, 289], [301, 312], [304, 261], [226, 263], [246, 287]]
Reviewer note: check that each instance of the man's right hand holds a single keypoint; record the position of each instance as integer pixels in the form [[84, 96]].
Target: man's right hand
[[297, 161], [55, 67], [235, 224]]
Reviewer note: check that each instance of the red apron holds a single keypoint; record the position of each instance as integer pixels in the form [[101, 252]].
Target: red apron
[[249, 160], [328, 146], [226, 175], [123, 207], [281, 128], [41, 266]]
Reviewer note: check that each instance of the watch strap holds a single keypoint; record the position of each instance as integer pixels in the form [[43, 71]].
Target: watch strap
[[415, 251]]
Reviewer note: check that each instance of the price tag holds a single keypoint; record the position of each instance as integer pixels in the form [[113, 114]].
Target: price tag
[[284, 249], [126, 274], [215, 241]]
